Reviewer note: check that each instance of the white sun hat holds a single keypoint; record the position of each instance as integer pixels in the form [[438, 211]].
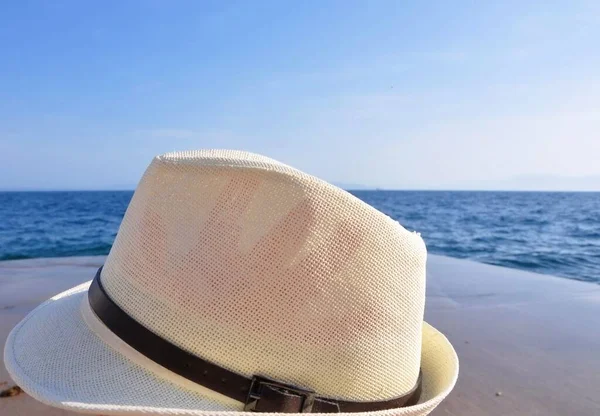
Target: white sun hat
[[237, 284]]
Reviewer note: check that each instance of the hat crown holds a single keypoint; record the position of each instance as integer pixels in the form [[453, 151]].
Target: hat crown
[[262, 269]]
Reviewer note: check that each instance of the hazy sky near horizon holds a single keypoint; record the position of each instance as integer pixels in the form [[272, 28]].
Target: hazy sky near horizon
[[401, 94]]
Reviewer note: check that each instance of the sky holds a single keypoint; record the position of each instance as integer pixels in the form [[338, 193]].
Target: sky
[[395, 95]]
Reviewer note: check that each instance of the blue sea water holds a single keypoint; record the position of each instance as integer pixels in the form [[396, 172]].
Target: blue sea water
[[553, 233]]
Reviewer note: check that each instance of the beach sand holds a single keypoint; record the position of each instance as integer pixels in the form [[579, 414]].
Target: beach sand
[[528, 344]]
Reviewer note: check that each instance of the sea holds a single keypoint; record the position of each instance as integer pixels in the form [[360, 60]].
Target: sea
[[555, 233]]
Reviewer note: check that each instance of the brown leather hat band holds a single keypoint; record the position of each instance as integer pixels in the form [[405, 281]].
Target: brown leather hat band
[[259, 394]]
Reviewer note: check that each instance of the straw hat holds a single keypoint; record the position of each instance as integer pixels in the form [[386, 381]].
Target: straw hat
[[237, 284]]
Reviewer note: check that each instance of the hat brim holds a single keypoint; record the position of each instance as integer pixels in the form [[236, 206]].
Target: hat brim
[[56, 357]]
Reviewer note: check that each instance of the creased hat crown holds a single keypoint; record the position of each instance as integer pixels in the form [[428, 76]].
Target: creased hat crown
[[262, 269]]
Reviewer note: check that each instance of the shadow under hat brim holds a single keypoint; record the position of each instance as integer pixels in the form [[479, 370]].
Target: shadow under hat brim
[[56, 357]]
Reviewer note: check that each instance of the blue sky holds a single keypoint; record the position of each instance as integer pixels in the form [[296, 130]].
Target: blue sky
[[396, 94]]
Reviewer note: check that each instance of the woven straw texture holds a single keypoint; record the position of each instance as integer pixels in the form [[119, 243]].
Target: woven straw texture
[[257, 267]]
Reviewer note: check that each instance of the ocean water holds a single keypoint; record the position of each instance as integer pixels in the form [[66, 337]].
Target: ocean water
[[552, 233]]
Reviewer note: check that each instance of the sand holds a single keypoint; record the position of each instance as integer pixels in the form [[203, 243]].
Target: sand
[[528, 344]]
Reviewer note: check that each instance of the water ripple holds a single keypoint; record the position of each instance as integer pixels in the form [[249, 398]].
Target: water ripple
[[545, 232]]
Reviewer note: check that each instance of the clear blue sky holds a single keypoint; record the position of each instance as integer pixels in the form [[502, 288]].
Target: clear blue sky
[[402, 94]]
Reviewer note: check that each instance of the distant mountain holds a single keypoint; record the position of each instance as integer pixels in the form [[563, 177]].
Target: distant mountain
[[533, 183], [352, 186]]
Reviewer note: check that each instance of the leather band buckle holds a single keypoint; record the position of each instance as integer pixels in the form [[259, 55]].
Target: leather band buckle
[[266, 395]]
